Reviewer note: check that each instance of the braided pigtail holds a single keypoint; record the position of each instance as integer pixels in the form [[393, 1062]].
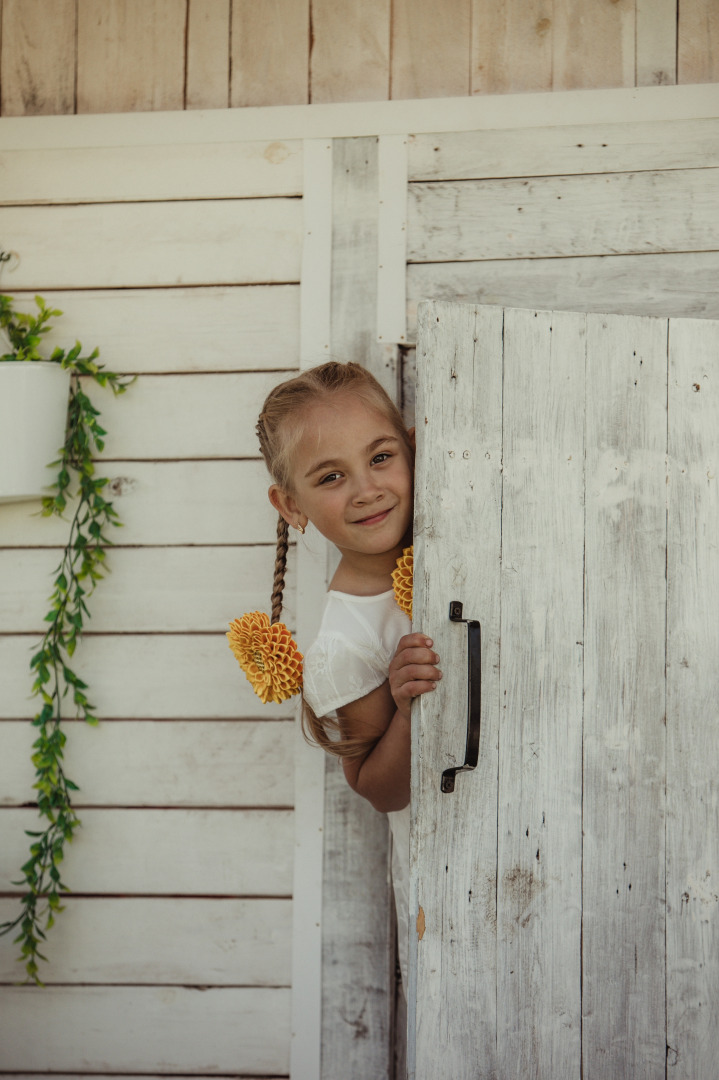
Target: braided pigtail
[[278, 584]]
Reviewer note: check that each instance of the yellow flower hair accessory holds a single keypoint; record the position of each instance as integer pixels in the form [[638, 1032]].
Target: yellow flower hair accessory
[[268, 656], [402, 577]]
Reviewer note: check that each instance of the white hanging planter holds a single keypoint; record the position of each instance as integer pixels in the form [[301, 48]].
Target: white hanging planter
[[33, 417]]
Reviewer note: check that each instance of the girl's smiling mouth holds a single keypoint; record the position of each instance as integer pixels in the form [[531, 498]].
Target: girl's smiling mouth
[[375, 519]]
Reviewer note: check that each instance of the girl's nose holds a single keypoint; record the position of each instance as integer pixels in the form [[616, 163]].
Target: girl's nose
[[366, 489]]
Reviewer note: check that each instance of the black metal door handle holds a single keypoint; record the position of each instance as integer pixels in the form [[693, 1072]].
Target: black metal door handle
[[474, 695]]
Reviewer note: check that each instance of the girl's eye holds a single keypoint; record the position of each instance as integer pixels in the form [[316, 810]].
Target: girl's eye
[[329, 478], [379, 458]]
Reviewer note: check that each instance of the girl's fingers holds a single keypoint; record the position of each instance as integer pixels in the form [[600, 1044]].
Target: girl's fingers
[[417, 673], [415, 656]]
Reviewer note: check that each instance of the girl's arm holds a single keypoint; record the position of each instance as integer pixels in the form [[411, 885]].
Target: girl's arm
[[382, 775]]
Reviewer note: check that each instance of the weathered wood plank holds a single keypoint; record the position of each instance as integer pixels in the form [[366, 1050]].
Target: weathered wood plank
[[358, 916], [355, 248], [430, 49], [186, 502], [593, 45], [552, 151], [128, 173], [147, 1029], [232, 328], [153, 940], [187, 589], [223, 763], [209, 242], [130, 55], [357, 899], [569, 44], [539, 898], [692, 696], [153, 420], [453, 910], [623, 1000], [656, 61], [164, 853], [349, 60], [38, 57], [270, 38], [207, 77], [670, 284], [698, 42], [154, 677], [514, 219], [511, 47]]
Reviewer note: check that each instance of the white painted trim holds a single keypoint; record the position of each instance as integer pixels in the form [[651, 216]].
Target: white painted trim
[[392, 241], [344, 120], [306, 1018], [316, 273]]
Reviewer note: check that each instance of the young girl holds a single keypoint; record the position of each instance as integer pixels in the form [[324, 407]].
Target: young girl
[[341, 459]]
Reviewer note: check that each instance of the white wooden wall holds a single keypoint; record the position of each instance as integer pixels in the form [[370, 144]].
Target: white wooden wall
[[177, 243], [174, 953]]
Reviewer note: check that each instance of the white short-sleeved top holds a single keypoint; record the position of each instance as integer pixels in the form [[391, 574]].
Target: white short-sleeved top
[[357, 639], [350, 657]]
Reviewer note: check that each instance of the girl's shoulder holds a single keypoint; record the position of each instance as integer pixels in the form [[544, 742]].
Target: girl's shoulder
[[356, 616], [357, 638]]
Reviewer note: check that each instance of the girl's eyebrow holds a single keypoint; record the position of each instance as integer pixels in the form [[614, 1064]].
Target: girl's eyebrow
[[334, 461]]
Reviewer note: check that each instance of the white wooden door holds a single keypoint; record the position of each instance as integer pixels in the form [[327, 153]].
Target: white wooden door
[[565, 894]]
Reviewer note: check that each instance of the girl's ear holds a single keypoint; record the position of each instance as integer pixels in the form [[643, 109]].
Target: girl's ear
[[412, 440], [285, 505]]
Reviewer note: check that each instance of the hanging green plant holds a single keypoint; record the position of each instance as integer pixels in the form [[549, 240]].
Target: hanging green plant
[[77, 491]]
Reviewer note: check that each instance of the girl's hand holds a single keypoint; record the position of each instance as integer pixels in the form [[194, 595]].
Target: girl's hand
[[413, 671]]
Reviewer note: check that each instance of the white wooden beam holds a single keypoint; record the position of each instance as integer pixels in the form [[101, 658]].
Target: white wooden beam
[[374, 118], [315, 291]]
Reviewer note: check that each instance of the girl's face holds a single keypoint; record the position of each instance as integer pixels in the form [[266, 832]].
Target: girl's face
[[352, 478]]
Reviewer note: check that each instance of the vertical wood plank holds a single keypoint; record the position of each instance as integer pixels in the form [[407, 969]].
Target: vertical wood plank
[[208, 54], [656, 42], [593, 44], [355, 247], [452, 1000], [270, 52], [624, 746], [358, 913], [540, 747], [392, 240], [349, 59], [308, 907], [692, 697], [511, 46], [130, 55], [38, 57], [430, 48], [698, 41]]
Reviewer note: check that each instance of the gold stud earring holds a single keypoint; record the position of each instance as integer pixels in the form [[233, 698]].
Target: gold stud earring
[[300, 528]]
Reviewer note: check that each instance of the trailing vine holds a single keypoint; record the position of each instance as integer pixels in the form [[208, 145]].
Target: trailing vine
[[78, 491]]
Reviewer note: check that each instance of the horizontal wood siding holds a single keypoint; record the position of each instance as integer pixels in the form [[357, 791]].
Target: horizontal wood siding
[[186, 763], [166, 852], [172, 1029], [101, 56], [615, 217], [560, 216], [222, 328], [133, 940], [214, 242], [174, 952]]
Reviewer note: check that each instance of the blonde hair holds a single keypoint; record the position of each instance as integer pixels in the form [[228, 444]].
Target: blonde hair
[[280, 428]]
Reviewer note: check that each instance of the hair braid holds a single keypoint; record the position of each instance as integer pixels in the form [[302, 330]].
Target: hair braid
[[278, 584]]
